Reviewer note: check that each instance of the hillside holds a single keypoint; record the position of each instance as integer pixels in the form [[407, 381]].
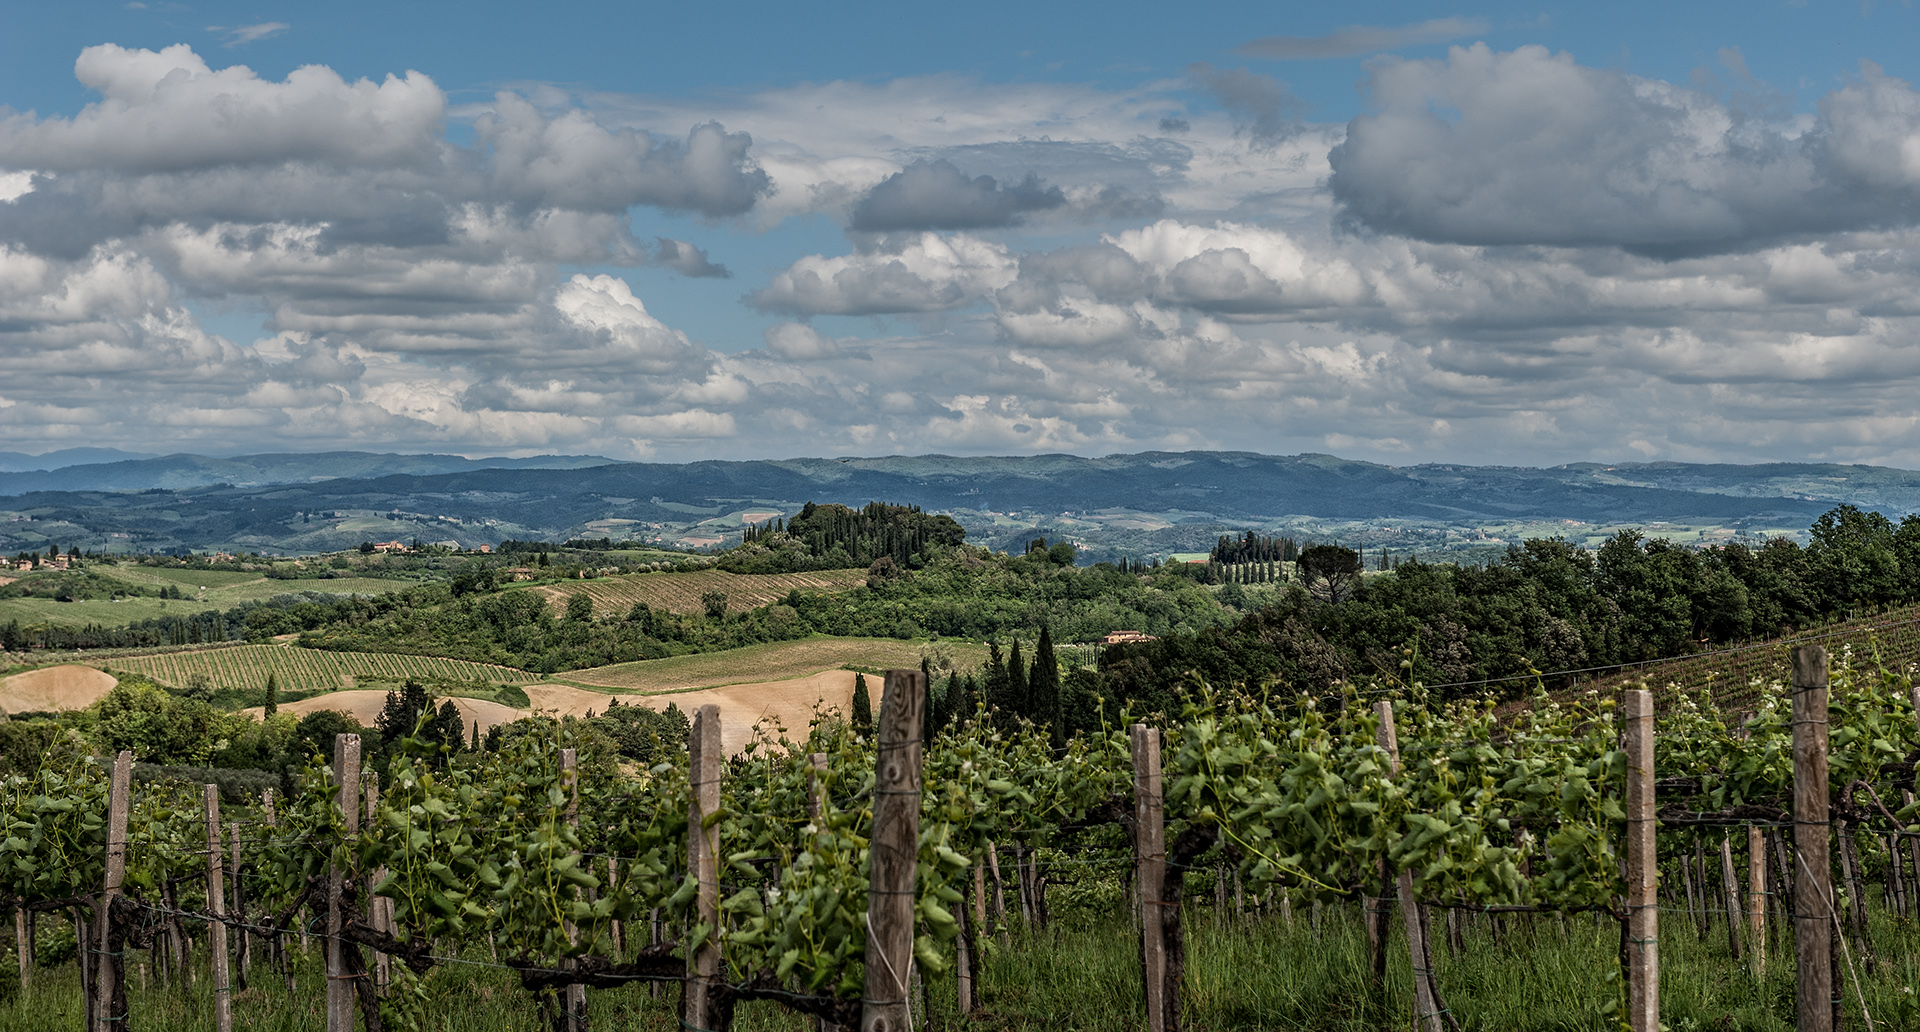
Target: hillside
[[684, 592], [1149, 502]]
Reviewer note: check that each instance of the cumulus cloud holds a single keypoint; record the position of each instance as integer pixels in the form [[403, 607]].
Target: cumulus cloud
[[1361, 39], [1529, 147], [686, 259], [936, 195], [923, 272], [1505, 255]]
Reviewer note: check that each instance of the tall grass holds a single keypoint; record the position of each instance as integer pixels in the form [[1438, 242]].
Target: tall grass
[[1535, 973]]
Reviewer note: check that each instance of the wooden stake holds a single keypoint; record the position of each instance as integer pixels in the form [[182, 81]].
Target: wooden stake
[[110, 991], [239, 908], [699, 1001], [217, 903], [1150, 872], [22, 945], [340, 992], [999, 889], [894, 854], [1813, 916], [280, 956], [1730, 892], [1757, 899], [378, 909], [575, 998], [1643, 873], [1428, 1012]]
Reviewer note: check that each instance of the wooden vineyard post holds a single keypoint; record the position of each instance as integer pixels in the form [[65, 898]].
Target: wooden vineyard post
[[1150, 873], [239, 907], [340, 993], [377, 908], [109, 982], [1756, 899], [1813, 862], [1429, 1013], [700, 999], [894, 854], [575, 999], [22, 944], [281, 958], [217, 903], [1642, 947], [1730, 892]]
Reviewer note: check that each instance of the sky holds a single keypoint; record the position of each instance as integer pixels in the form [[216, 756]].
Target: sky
[[1502, 233]]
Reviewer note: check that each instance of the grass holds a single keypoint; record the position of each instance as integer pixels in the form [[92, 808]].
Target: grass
[[680, 592], [1082, 975], [37, 611], [776, 661]]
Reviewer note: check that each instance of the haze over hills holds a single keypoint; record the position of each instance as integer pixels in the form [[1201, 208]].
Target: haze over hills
[[1153, 502], [124, 471]]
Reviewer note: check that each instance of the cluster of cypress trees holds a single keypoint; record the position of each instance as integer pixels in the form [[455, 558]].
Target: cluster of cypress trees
[[1250, 547], [900, 532], [1012, 688]]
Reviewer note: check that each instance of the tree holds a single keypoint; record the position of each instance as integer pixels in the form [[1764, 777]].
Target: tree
[[402, 712], [994, 680], [1331, 572], [1019, 695], [862, 704], [272, 693], [579, 607], [1043, 687], [715, 603]]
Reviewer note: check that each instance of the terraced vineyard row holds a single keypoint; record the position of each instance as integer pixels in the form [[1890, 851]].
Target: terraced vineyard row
[[681, 592], [307, 670], [1737, 675]]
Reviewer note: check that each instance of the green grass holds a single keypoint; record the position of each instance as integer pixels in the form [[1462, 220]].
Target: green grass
[[36, 611], [1256, 972]]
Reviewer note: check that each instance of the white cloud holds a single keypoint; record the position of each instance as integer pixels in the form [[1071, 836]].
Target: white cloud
[[923, 272]]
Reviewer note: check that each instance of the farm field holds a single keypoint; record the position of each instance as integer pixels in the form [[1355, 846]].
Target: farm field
[[68, 686], [228, 588], [775, 661], [307, 670], [106, 613], [680, 592]]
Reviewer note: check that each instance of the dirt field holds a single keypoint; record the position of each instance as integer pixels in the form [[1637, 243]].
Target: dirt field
[[365, 706], [680, 592], [773, 662], [790, 703], [68, 687]]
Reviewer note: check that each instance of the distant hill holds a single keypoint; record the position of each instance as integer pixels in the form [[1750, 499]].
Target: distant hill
[[124, 472], [19, 462], [330, 501]]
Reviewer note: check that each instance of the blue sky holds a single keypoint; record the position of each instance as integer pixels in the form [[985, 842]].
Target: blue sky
[[1498, 233]]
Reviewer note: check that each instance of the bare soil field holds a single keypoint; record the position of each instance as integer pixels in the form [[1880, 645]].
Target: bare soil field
[[787, 704], [680, 592], [365, 705], [772, 662], [66, 687]]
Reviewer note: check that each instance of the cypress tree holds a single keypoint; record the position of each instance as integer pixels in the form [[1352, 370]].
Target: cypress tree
[[273, 695], [1044, 688], [862, 705], [995, 680], [926, 708], [1017, 688]]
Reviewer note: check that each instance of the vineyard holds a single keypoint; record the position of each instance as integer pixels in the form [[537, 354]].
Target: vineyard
[[867, 878], [308, 670], [683, 592]]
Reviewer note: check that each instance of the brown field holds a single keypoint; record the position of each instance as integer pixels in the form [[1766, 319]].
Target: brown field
[[787, 704], [364, 706], [777, 661], [680, 592], [66, 687]]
